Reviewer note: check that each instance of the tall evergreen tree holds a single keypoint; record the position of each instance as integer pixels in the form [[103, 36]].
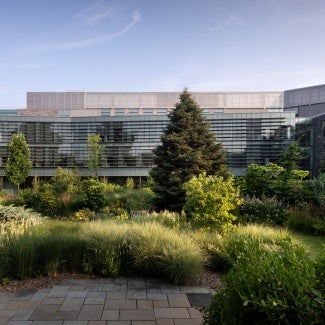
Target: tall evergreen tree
[[188, 148], [18, 164]]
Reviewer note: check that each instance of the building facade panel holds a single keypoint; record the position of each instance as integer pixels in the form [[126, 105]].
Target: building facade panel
[[254, 127], [128, 140]]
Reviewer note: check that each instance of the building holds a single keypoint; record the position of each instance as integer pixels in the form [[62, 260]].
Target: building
[[254, 127], [309, 106]]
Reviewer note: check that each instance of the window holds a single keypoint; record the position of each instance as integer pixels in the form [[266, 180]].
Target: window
[[119, 111], [147, 112], [162, 111], [106, 111], [64, 112], [134, 111]]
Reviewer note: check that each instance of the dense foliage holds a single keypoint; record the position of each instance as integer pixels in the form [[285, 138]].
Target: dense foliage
[[18, 163], [188, 148], [269, 285], [95, 153], [210, 201], [273, 180]]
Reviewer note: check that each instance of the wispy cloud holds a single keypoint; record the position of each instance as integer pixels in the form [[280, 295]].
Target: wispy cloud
[[229, 22], [95, 13], [81, 43]]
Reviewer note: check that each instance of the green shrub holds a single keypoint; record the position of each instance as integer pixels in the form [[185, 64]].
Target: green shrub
[[16, 220], [211, 201], [269, 285], [136, 199], [93, 194], [318, 188], [84, 215], [114, 212], [266, 210]]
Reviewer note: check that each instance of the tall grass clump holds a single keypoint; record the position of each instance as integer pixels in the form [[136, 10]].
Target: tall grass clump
[[159, 251], [60, 248], [269, 285], [306, 219], [106, 248], [43, 250], [166, 218], [223, 250], [214, 246], [18, 256]]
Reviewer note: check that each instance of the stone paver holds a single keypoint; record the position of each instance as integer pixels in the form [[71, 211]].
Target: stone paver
[[119, 301], [171, 313]]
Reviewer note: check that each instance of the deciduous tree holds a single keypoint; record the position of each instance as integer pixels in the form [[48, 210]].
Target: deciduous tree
[[18, 164], [95, 153]]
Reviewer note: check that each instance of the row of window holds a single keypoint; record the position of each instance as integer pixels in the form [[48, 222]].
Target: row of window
[[129, 143]]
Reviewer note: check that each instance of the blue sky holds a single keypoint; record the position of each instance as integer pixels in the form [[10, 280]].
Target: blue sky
[[154, 45]]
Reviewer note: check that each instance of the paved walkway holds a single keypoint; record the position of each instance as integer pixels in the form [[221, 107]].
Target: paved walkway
[[129, 301]]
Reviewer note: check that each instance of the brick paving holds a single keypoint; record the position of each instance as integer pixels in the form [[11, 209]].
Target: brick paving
[[119, 301]]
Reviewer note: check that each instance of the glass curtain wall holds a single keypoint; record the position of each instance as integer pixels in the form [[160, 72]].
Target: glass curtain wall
[[128, 141]]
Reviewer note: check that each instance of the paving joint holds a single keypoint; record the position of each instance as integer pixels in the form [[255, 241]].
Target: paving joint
[[106, 301]]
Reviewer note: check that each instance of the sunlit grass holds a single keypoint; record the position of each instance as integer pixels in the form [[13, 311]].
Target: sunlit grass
[[315, 245]]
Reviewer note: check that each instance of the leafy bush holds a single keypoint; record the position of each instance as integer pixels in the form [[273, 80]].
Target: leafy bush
[[269, 285], [266, 210], [93, 194], [210, 201], [318, 186], [136, 199], [83, 215], [15, 220], [274, 180], [114, 212]]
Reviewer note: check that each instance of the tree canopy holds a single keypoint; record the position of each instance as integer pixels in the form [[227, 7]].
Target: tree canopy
[[188, 148], [95, 153], [291, 157], [18, 164]]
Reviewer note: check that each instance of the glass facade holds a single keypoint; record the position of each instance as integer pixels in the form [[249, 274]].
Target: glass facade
[[128, 140]]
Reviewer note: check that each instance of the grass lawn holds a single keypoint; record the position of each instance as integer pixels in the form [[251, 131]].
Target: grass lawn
[[314, 244]]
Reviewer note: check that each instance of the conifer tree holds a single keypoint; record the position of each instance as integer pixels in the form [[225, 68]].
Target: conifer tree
[[188, 148]]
